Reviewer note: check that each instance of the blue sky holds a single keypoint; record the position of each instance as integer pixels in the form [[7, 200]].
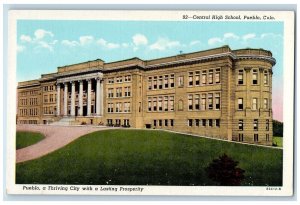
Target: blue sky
[[45, 45]]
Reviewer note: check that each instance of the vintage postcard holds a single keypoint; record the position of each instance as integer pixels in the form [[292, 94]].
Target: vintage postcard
[[150, 103]]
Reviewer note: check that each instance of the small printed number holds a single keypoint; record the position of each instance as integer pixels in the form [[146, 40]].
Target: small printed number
[[185, 16]]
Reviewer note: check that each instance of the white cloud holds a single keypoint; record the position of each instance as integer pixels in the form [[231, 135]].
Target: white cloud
[[85, 40], [249, 36], [192, 43], [41, 33], [163, 44], [20, 48], [69, 43], [139, 40], [230, 35], [109, 45], [46, 45], [25, 38], [214, 40]]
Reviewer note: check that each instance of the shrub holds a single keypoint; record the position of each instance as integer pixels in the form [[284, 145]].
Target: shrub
[[224, 171]]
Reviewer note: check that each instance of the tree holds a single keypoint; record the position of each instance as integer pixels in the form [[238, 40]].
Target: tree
[[277, 128], [225, 172]]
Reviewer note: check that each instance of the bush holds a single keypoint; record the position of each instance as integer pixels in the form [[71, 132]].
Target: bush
[[224, 171]]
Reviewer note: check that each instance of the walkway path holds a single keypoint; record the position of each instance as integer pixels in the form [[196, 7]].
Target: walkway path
[[55, 138]]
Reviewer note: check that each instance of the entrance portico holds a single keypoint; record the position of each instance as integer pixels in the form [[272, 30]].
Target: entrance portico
[[85, 98]]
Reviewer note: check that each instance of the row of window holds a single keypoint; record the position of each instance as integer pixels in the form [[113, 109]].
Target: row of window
[[31, 92], [28, 122], [209, 101], [49, 88], [255, 137], [255, 77], [204, 77], [29, 112], [117, 123], [255, 125], [255, 105], [204, 122], [119, 93], [161, 103], [119, 79], [50, 98], [51, 110], [119, 107], [161, 82], [163, 122]]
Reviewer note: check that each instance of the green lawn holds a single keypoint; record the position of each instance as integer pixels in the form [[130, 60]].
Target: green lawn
[[147, 157], [25, 139], [277, 140]]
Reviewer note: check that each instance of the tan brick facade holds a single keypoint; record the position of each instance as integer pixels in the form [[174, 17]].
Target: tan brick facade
[[219, 93]]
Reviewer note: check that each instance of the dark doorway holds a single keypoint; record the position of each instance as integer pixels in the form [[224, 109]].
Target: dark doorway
[[84, 111], [45, 121], [76, 110]]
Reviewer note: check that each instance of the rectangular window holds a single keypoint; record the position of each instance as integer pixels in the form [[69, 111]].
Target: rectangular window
[[255, 125], [210, 76], [197, 78], [155, 82], [160, 103], [154, 104], [172, 122], [210, 101], [190, 102], [166, 81], [254, 104], [160, 82], [149, 83], [204, 77], [267, 137], [190, 122], [203, 101], [240, 104], [217, 122], [217, 76], [127, 92], [266, 103], [204, 122], [255, 137], [110, 92], [197, 102], [160, 123], [190, 78], [166, 123], [154, 123], [241, 137], [197, 122], [254, 77], [241, 125], [241, 77], [171, 99], [210, 122], [217, 101], [267, 125], [127, 78], [117, 107], [180, 81], [172, 80], [166, 103], [266, 78]]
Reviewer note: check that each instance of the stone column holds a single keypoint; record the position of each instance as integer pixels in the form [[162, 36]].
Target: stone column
[[80, 98], [261, 80], [98, 96], [73, 99], [66, 99], [58, 99], [101, 97], [89, 104]]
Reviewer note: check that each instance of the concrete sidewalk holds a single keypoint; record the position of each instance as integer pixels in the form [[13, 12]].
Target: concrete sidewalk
[[55, 138]]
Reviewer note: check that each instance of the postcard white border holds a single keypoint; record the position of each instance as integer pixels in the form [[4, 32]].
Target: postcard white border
[[287, 17]]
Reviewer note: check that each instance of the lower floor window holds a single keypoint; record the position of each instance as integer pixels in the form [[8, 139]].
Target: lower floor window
[[241, 137], [255, 137], [190, 122]]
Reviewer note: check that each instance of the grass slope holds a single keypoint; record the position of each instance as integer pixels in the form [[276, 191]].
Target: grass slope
[[25, 139], [277, 140], [142, 157]]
